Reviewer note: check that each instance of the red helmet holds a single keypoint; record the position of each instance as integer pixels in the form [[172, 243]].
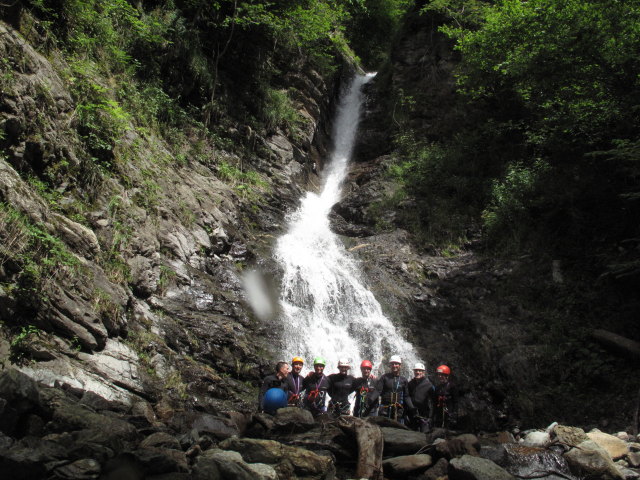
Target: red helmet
[[366, 364], [443, 369]]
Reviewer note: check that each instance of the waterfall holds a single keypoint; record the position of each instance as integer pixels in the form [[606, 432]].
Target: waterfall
[[326, 308]]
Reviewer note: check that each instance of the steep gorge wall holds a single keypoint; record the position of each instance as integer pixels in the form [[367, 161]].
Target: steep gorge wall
[[128, 283]]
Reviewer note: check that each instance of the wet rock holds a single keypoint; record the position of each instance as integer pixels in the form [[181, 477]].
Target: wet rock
[[589, 458], [161, 440], [170, 476], [437, 472], [528, 462], [217, 464], [628, 474], [402, 442], [80, 238], [156, 460], [615, 447], [144, 279], [400, 467], [468, 467], [84, 469], [536, 439], [294, 419], [327, 437], [456, 447], [240, 420], [221, 428], [289, 460], [572, 436], [386, 422], [634, 459], [262, 471], [470, 441], [28, 458]]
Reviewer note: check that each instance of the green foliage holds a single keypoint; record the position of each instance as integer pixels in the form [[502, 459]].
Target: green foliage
[[39, 255], [167, 275], [509, 214], [548, 120], [572, 65], [371, 27], [278, 111], [19, 346], [240, 179]]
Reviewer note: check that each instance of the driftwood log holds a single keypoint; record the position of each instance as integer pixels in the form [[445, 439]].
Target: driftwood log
[[617, 343], [370, 446]]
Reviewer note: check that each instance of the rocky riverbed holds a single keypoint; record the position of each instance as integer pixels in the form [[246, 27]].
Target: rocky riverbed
[[50, 433]]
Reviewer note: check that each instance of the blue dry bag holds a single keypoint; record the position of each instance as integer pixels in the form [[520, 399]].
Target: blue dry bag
[[274, 398]]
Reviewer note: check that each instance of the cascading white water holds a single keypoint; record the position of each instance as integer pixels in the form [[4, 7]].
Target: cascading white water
[[327, 310]]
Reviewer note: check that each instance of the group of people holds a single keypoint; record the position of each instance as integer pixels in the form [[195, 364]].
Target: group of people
[[417, 402]]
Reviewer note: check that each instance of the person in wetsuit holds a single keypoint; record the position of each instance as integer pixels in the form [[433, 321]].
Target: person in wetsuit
[[341, 385], [275, 380], [294, 383], [443, 400], [315, 386], [363, 386], [393, 391], [419, 391]]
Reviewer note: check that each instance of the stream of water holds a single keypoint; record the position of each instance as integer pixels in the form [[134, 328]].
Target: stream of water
[[327, 309]]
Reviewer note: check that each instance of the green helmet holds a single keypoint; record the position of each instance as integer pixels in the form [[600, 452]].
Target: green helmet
[[319, 361]]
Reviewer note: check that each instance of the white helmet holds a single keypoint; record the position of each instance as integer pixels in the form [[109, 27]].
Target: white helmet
[[419, 366], [343, 362], [395, 359]]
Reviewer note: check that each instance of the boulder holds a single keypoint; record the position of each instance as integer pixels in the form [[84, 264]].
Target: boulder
[[634, 459], [469, 467], [402, 442], [294, 419], [530, 462], [589, 458], [221, 428], [386, 422], [289, 460], [161, 440], [464, 445], [398, 467], [217, 464], [615, 447], [157, 460], [437, 472], [327, 437], [571, 436], [85, 468], [536, 439], [263, 471]]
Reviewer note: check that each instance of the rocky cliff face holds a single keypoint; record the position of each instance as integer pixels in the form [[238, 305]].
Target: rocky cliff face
[[123, 277]]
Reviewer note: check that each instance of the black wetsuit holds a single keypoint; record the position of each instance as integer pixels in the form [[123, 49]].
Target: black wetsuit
[[294, 389], [363, 387], [315, 393], [270, 381], [393, 392], [443, 405], [340, 387], [419, 391]]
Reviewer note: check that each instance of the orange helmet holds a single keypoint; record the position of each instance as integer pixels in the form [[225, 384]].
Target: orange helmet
[[297, 360], [444, 370], [366, 364]]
